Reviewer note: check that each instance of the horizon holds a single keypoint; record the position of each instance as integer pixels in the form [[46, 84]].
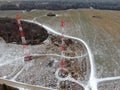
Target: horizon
[[68, 0]]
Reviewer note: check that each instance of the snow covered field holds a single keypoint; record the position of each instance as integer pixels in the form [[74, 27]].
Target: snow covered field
[[40, 71], [100, 34]]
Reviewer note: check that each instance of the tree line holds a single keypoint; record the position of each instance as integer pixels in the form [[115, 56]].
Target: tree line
[[58, 5]]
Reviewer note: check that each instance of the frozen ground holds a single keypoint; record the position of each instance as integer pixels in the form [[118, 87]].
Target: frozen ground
[[41, 71], [100, 34], [109, 85]]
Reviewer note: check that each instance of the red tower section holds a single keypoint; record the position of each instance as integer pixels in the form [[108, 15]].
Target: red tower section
[[27, 56]]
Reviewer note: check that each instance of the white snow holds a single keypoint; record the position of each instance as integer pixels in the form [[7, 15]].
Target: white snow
[[93, 81], [108, 79], [22, 88]]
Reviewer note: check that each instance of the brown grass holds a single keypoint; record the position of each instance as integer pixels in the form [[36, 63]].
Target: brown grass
[[109, 21]]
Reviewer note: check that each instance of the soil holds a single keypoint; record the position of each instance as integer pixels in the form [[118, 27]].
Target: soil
[[9, 31], [6, 87]]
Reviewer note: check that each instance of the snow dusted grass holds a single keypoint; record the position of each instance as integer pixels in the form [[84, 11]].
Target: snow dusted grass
[[101, 34], [109, 85], [11, 58], [39, 73], [105, 44]]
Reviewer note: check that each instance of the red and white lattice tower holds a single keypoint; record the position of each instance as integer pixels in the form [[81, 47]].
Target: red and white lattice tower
[[62, 62], [62, 25], [27, 55]]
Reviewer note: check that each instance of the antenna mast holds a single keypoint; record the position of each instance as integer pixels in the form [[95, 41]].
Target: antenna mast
[[27, 56]]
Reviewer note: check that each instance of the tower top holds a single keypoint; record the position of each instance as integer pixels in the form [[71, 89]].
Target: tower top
[[17, 16], [62, 22]]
